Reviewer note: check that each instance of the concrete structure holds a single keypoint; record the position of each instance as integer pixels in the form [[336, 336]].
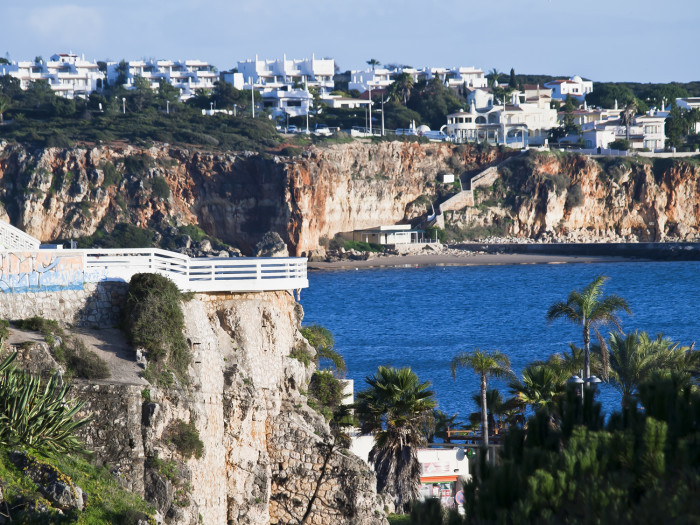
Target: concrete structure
[[574, 87], [276, 74], [339, 102], [67, 74], [442, 473], [394, 234], [188, 76]]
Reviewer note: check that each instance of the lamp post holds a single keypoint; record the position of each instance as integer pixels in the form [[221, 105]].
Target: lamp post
[[370, 108], [124, 105], [167, 107], [591, 382], [234, 109]]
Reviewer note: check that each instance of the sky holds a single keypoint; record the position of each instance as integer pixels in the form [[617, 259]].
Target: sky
[[603, 40]]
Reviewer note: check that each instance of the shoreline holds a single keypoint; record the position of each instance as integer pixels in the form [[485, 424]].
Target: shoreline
[[466, 259]]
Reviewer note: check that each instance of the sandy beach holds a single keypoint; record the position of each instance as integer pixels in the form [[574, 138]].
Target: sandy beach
[[465, 259]]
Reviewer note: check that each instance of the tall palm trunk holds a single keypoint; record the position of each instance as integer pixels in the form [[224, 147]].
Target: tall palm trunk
[[586, 351], [484, 415]]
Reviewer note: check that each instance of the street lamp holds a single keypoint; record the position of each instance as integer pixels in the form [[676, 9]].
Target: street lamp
[[124, 105], [234, 109], [591, 381], [167, 107]]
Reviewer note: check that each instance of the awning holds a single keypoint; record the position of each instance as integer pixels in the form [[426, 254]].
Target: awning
[[437, 479]]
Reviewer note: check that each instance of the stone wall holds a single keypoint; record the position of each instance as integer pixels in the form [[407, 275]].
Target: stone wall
[[96, 305]]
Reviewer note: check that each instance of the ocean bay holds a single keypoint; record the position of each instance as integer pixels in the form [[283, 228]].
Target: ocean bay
[[421, 317]]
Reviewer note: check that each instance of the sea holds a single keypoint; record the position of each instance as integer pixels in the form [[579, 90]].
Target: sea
[[421, 317]]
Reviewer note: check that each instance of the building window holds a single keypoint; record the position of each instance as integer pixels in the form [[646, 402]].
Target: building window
[[294, 103]]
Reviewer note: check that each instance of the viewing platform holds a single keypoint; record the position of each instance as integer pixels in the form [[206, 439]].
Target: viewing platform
[[25, 266]]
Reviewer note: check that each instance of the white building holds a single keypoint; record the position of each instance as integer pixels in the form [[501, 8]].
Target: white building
[[275, 74], [340, 102], [522, 122], [371, 78], [292, 102], [67, 74], [574, 87], [688, 104], [647, 131], [188, 76], [454, 77]]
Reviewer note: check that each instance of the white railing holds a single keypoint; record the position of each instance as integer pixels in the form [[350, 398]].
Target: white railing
[[216, 274], [12, 238]]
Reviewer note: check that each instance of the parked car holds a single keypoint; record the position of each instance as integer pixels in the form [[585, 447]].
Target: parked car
[[322, 129], [405, 131], [292, 129]]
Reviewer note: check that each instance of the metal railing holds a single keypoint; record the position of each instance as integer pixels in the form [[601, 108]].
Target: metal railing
[[216, 274]]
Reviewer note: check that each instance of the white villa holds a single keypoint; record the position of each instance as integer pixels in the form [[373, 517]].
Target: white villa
[[189, 76], [392, 234], [526, 120], [574, 87], [454, 77], [67, 74], [276, 74], [647, 131]]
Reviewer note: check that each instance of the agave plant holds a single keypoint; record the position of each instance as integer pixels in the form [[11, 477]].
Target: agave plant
[[36, 413]]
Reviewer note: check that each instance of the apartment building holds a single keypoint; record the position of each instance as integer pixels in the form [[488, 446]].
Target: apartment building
[[276, 74]]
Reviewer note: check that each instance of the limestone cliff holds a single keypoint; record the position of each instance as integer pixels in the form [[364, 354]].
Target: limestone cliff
[[264, 448], [576, 198], [236, 197]]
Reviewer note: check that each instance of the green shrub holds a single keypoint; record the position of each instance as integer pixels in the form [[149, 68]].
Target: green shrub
[[138, 164], [4, 329], [35, 413], [84, 363], [433, 231], [154, 321], [620, 144], [160, 188], [300, 353], [39, 324], [186, 439], [111, 176], [327, 392], [363, 246], [574, 198]]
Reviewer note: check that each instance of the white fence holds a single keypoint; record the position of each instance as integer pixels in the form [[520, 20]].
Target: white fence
[[216, 274], [12, 238]]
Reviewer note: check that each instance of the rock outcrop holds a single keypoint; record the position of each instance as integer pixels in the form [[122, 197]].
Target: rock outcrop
[[264, 448]]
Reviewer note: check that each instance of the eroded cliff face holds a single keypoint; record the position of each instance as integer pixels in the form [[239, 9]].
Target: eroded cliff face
[[60, 194], [575, 198], [264, 448]]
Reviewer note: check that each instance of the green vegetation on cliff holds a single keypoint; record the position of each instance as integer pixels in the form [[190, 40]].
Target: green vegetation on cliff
[[155, 322]]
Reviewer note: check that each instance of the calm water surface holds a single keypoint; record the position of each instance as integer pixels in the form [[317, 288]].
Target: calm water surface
[[420, 317]]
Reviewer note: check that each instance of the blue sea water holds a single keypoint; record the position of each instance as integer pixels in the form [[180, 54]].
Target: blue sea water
[[421, 317]]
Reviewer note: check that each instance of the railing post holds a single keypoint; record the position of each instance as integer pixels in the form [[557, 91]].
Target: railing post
[[258, 270]]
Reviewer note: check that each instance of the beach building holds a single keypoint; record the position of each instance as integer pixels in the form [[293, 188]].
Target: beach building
[[67, 74], [340, 102], [279, 74], [188, 76], [393, 234]]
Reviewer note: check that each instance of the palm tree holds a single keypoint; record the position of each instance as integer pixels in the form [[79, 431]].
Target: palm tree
[[323, 342], [634, 358], [627, 116], [442, 424], [590, 310], [493, 76], [394, 406], [541, 386], [374, 62], [486, 364], [400, 89]]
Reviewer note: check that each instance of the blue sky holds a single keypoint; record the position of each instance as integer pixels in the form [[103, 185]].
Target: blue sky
[[605, 40]]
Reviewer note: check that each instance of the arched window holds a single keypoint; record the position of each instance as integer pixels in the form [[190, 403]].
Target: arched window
[[481, 120]]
